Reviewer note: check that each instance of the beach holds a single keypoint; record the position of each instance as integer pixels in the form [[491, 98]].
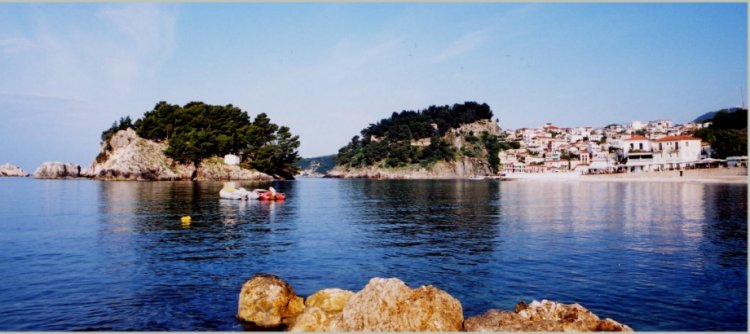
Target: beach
[[712, 175]]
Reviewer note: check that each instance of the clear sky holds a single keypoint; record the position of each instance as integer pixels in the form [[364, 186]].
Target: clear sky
[[328, 70]]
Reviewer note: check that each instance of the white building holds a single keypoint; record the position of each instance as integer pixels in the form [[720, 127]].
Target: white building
[[676, 152], [231, 159]]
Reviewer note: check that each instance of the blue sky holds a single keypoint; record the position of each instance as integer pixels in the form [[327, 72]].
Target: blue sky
[[328, 70]]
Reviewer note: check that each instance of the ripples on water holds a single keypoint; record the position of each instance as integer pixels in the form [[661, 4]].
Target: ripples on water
[[88, 255]]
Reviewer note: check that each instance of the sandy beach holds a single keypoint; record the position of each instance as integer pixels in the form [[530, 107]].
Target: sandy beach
[[713, 175]]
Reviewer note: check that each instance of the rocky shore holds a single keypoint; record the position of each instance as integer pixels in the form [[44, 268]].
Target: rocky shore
[[12, 170], [461, 169], [126, 156], [388, 305], [57, 170]]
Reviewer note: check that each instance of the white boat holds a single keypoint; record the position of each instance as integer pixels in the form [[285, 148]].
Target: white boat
[[231, 192]]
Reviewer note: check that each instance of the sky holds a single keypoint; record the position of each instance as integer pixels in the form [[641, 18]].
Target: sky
[[328, 70]]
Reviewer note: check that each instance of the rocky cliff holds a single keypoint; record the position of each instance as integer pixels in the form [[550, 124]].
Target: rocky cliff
[[12, 170], [463, 167], [57, 170], [126, 156]]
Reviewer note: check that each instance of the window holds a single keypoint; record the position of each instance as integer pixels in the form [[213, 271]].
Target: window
[[640, 146]]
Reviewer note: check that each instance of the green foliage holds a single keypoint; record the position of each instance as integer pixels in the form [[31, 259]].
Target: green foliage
[[727, 133], [640, 132], [197, 131], [493, 147], [724, 120], [730, 142], [389, 140]]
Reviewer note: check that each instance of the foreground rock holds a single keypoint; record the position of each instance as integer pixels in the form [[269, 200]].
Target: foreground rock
[[544, 316], [57, 170], [127, 156], [12, 170], [388, 305], [268, 302], [322, 311]]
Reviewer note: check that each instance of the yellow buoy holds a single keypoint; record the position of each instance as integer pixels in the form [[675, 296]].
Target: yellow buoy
[[185, 219]]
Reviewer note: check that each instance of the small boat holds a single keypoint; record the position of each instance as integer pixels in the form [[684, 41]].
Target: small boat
[[271, 195], [231, 192]]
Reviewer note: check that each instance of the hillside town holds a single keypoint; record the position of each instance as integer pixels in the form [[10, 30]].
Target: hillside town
[[656, 145]]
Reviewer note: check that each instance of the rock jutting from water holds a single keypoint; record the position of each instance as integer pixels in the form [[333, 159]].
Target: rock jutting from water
[[127, 156], [57, 170], [12, 170], [268, 302], [390, 305]]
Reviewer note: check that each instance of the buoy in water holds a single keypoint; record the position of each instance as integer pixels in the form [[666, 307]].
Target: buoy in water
[[185, 219]]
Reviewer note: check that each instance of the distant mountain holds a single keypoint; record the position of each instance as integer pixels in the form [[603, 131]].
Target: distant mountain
[[709, 115], [320, 164]]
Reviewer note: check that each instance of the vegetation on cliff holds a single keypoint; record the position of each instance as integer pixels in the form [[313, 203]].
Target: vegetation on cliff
[[197, 131], [727, 133], [418, 137]]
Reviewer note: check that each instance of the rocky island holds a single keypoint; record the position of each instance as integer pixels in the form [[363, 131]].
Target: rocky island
[[195, 142], [267, 302], [445, 142], [12, 170]]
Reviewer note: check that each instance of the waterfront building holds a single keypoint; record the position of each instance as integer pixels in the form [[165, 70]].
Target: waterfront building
[[676, 152]]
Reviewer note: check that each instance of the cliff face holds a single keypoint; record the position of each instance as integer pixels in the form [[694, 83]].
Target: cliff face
[[130, 157], [462, 167], [57, 170], [12, 170]]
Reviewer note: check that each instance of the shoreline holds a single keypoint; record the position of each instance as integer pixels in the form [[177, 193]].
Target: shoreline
[[736, 175]]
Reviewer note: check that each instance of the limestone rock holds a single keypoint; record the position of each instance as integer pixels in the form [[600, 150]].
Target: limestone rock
[[127, 156], [12, 170], [217, 169], [315, 319], [57, 170], [329, 300], [544, 316], [322, 312], [389, 305], [267, 301]]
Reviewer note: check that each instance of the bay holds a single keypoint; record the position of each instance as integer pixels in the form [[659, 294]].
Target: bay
[[94, 255]]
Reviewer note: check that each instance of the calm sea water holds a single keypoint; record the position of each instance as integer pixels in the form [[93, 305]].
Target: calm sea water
[[90, 255]]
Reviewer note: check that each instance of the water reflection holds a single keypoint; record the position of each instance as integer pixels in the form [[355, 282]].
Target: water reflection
[[114, 256]]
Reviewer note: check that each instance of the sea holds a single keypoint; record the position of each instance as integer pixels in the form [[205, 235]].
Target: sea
[[114, 256]]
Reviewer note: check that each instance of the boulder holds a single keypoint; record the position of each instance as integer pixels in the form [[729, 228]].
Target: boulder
[[544, 316], [329, 300], [388, 305], [268, 302], [322, 312], [12, 170], [57, 170]]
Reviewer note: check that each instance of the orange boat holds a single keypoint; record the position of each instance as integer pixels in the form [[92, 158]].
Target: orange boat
[[271, 196]]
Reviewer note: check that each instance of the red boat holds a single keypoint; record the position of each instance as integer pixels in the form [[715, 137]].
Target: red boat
[[269, 196]]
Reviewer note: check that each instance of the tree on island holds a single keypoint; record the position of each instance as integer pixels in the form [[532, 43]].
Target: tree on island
[[197, 131]]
